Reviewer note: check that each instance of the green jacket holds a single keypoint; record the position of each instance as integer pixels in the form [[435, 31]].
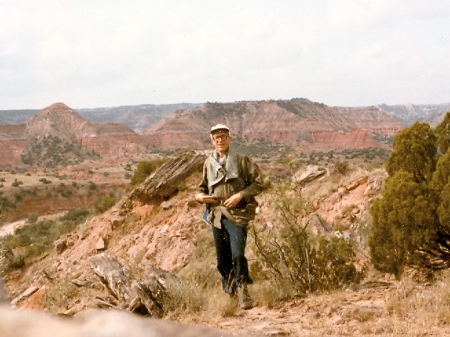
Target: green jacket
[[238, 174]]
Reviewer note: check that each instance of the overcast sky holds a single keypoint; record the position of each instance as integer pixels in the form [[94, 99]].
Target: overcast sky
[[102, 53]]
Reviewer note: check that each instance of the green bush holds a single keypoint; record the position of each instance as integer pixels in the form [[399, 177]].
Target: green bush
[[92, 186], [31, 241], [16, 183], [342, 167], [33, 217], [64, 191], [104, 203], [76, 215], [60, 295], [293, 258], [51, 152], [144, 169], [45, 181], [410, 222]]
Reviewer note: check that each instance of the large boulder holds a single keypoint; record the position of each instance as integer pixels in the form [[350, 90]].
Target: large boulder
[[167, 179], [311, 173]]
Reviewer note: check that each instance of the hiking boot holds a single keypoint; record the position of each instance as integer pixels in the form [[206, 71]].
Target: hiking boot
[[245, 301], [229, 287]]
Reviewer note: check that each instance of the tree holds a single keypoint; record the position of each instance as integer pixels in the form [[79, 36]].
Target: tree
[[411, 222], [414, 152], [404, 223], [443, 134]]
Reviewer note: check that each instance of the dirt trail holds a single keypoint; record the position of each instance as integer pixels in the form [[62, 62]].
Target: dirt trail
[[9, 228], [367, 311]]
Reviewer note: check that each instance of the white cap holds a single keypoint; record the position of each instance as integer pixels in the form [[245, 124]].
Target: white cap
[[220, 127]]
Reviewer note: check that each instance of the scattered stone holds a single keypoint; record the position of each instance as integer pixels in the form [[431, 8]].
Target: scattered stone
[[165, 205], [81, 283], [30, 291], [312, 173], [274, 333], [354, 184], [100, 245], [60, 245]]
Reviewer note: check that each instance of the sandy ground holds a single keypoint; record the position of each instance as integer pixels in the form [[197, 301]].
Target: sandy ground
[[372, 310], [9, 228]]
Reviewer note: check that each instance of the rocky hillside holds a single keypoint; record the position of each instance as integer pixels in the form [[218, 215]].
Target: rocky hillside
[[157, 224], [58, 135], [296, 122], [125, 257]]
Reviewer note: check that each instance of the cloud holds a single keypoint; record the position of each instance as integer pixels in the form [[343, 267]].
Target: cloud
[[103, 53]]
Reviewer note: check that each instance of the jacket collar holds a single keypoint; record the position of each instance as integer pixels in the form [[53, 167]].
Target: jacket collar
[[217, 172]]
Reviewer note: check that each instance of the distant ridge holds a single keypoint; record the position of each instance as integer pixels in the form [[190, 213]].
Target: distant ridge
[[136, 117], [297, 122], [139, 117], [408, 114], [58, 135]]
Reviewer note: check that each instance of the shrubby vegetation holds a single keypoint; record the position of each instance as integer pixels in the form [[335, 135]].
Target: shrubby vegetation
[[342, 167], [34, 239], [16, 183], [292, 258], [104, 203], [51, 152], [411, 221], [144, 169]]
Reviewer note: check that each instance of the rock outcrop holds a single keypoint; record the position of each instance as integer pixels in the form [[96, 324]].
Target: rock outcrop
[[164, 182], [297, 122], [311, 173], [148, 297]]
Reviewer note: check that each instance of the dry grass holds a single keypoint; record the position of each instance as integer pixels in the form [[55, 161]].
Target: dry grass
[[404, 309], [428, 304]]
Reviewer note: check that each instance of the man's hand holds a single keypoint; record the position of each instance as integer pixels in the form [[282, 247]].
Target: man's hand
[[233, 200]]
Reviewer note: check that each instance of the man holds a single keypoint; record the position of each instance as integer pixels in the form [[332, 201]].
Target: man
[[230, 183]]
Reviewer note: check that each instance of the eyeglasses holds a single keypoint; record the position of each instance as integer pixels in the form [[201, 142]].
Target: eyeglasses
[[221, 137]]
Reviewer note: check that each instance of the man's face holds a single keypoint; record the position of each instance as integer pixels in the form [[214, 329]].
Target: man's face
[[221, 140]]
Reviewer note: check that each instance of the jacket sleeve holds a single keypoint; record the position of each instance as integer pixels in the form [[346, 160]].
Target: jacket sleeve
[[203, 186], [253, 178]]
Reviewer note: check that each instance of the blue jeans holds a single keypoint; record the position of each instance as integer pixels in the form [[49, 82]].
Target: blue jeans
[[230, 241]]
